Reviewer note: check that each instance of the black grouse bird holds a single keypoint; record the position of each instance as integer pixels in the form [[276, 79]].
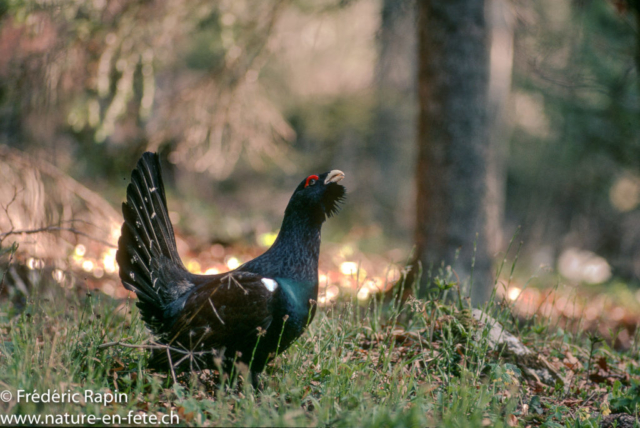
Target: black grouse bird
[[248, 314]]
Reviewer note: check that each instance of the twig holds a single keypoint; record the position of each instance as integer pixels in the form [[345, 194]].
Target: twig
[[14, 247], [130, 345], [173, 372], [589, 398], [153, 346], [54, 229], [4, 275], [187, 353], [6, 207]]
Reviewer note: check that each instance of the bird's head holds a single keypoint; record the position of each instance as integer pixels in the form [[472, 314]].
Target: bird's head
[[319, 195]]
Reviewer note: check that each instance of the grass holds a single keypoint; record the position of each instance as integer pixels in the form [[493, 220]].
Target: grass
[[383, 363]]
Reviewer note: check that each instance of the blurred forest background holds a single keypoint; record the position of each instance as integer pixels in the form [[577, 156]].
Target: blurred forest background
[[245, 98]]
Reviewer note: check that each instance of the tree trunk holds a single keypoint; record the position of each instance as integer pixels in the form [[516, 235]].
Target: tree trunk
[[453, 141], [637, 13], [394, 133], [500, 16]]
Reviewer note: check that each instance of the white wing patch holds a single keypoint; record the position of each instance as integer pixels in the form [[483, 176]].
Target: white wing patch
[[270, 284]]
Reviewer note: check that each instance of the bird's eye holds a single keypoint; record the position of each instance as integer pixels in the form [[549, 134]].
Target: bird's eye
[[311, 180]]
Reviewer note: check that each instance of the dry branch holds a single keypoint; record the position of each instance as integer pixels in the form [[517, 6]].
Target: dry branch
[[54, 229]]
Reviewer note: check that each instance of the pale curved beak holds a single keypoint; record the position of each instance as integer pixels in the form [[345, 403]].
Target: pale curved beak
[[334, 176]]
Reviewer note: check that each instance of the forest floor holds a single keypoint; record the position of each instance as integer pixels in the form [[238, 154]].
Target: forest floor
[[368, 359]]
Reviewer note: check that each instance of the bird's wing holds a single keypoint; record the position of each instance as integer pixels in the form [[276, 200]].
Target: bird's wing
[[226, 310]]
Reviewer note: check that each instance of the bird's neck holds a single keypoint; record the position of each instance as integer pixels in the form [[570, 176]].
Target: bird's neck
[[294, 254]]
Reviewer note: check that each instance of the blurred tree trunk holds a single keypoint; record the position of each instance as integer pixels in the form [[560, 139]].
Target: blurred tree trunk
[[392, 144], [453, 140], [637, 13], [500, 21]]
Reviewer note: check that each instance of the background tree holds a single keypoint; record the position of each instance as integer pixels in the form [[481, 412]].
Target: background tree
[[500, 19], [394, 129], [453, 140]]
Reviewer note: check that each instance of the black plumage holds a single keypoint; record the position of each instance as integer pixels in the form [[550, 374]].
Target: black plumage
[[248, 314]]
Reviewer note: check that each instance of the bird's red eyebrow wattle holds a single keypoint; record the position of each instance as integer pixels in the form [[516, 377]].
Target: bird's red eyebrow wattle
[[309, 178]]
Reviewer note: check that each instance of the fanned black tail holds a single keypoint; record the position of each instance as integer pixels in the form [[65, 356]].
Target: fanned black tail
[[147, 253]]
